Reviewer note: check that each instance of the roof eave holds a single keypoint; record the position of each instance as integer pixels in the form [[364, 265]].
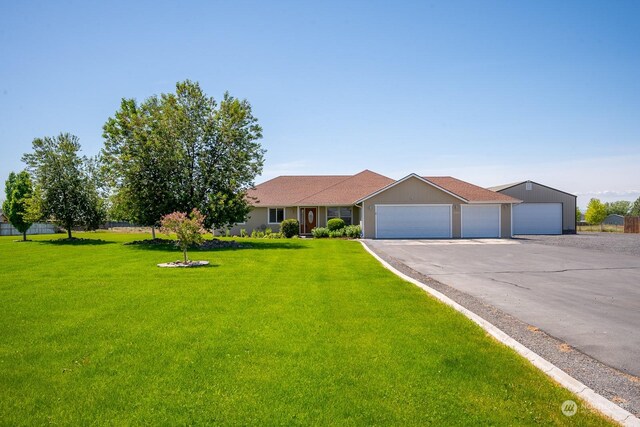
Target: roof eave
[[493, 202], [412, 175]]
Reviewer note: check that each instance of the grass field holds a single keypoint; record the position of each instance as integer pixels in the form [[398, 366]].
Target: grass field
[[286, 332], [602, 228]]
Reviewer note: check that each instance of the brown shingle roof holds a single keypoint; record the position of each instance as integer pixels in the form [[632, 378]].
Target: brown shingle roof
[[349, 190], [317, 189], [336, 190], [469, 192]]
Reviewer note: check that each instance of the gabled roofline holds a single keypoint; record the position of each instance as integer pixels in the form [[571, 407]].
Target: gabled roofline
[[412, 175], [499, 188], [494, 202], [533, 182]]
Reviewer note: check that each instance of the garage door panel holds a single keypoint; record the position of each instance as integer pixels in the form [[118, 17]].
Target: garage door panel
[[537, 218], [480, 221], [413, 221]]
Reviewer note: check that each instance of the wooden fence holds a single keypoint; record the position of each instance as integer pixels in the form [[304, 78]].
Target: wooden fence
[[632, 224]]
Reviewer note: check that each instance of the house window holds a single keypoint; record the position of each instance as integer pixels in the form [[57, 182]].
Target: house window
[[276, 215], [343, 213], [528, 186]]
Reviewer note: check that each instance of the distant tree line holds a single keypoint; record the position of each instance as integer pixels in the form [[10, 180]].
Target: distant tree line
[[173, 152], [597, 211]]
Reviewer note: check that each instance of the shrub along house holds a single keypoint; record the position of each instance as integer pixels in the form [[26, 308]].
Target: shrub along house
[[412, 207]]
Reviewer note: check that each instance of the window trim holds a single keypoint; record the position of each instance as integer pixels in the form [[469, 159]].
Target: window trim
[[269, 215], [339, 216]]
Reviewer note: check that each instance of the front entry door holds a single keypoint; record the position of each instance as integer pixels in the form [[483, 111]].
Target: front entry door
[[309, 219]]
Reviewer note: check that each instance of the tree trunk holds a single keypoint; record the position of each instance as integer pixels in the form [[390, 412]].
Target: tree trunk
[[69, 231], [184, 252], [153, 232], [24, 236]]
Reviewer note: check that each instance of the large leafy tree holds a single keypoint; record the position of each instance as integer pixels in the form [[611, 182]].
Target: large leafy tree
[[635, 208], [620, 207], [182, 151], [18, 189], [596, 212], [65, 190]]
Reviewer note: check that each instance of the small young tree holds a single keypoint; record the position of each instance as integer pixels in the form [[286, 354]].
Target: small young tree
[[596, 212], [18, 189], [189, 229]]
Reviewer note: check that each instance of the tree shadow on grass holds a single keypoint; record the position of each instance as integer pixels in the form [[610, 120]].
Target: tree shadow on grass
[[171, 247], [75, 241]]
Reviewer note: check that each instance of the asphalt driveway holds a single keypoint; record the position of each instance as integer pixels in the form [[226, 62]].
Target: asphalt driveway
[[588, 298]]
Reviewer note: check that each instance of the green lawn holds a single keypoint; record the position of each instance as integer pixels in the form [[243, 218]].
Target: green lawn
[[287, 332]]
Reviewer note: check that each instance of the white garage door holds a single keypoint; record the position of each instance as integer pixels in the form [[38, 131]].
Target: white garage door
[[537, 218], [413, 221], [480, 220]]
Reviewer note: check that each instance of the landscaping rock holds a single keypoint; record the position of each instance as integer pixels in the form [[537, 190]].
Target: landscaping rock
[[182, 264]]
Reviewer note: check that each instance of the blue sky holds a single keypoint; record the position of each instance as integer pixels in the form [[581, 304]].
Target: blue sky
[[490, 92]]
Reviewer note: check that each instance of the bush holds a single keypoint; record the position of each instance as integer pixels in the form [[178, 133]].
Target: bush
[[336, 233], [320, 232], [353, 231], [273, 236], [335, 224], [243, 233], [267, 231], [257, 234], [290, 228]]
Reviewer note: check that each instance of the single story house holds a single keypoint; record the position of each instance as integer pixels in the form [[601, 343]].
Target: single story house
[[614, 219], [544, 210], [411, 207]]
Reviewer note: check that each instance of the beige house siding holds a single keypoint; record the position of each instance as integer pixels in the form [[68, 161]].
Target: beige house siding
[[456, 221], [355, 215], [542, 194], [505, 220], [289, 213], [258, 219], [415, 191]]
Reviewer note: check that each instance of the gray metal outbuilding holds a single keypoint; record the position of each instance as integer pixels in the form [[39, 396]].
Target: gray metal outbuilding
[[544, 210], [614, 219]]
